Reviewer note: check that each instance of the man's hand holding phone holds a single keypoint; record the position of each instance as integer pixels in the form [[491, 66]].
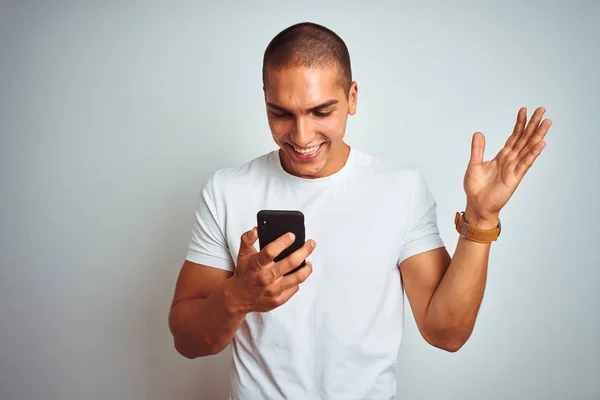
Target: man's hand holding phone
[[259, 283]]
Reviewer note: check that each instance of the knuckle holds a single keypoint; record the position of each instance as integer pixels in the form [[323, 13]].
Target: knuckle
[[264, 279], [263, 260], [304, 273], [301, 275], [272, 291], [258, 261], [276, 302], [291, 262], [270, 251], [297, 278]]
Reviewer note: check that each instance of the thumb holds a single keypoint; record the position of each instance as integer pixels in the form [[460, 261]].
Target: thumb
[[477, 148], [247, 242]]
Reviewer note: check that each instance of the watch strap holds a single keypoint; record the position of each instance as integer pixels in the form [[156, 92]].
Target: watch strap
[[476, 235]]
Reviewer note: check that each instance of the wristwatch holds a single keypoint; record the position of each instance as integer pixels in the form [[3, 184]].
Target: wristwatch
[[474, 234]]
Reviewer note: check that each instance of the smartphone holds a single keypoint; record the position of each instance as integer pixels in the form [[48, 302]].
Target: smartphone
[[272, 224]]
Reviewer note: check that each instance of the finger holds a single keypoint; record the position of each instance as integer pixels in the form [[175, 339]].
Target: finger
[[273, 249], [539, 135], [298, 277], [247, 242], [295, 259], [518, 129], [530, 129], [286, 282], [285, 296], [477, 148], [526, 163]]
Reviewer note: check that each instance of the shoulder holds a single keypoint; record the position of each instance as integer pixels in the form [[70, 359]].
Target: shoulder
[[257, 166], [402, 175], [244, 174]]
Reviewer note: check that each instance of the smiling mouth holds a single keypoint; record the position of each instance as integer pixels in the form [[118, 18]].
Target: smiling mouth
[[306, 151]]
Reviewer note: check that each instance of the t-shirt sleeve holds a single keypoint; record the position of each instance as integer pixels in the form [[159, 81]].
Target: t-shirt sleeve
[[422, 231], [207, 244]]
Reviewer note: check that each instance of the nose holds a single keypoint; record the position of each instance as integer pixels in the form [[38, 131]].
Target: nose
[[302, 134]]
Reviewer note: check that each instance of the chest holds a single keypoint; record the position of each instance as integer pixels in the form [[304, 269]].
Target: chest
[[358, 226]]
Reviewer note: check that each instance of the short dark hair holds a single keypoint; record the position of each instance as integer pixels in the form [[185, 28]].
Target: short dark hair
[[307, 44]]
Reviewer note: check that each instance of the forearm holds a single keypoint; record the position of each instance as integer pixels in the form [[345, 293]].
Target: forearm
[[454, 306], [202, 327]]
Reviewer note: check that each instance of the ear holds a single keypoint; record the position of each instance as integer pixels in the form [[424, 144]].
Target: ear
[[352, 98]]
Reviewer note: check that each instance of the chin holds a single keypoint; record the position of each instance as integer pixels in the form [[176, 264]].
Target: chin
[[309, 170]]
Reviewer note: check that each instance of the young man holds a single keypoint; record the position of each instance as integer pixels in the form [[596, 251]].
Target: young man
[[332, 329]]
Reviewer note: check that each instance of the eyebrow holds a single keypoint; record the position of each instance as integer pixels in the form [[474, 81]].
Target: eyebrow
[[321, 106]]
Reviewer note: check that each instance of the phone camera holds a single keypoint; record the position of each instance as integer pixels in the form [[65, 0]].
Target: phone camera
[[265, 223]]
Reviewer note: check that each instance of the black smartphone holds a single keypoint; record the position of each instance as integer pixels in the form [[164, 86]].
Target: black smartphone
[[272, 224]]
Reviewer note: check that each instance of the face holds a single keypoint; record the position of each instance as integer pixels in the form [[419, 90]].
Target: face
[[307, 111]]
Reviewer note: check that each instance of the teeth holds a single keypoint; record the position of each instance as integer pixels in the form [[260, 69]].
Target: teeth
[[307, 151]]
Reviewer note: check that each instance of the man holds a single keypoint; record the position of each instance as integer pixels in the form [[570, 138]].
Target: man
[[332, 329]]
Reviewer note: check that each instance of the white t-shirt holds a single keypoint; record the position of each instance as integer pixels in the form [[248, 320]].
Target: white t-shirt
[[339, 336]]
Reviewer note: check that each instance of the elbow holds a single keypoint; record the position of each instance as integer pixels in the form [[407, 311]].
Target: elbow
[[448, 340], [192, 350], [189, 346], [452, 347], [180, 346], [191, 343], [186, 351], [187, 355]]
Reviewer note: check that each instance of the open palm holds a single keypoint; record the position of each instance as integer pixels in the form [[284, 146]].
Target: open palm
[[489, 185]]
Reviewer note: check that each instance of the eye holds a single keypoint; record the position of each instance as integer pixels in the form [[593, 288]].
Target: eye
[[321, 114], [281, 115]]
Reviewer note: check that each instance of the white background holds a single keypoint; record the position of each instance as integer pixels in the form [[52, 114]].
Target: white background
[[113, 115]]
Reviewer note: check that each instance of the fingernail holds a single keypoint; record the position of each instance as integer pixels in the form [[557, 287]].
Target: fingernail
[[292, 236], [313, 244]]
